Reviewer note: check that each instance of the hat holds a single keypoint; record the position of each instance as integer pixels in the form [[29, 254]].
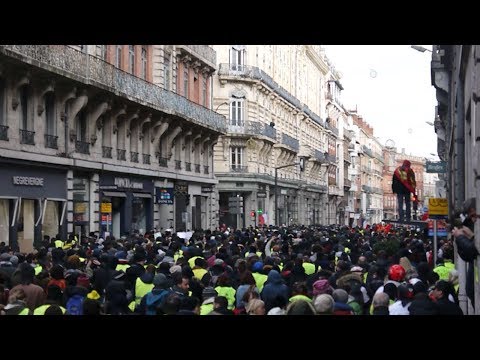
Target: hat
[[159, 280], [322, 287], [257, 267], [324, 304], [83, 280], [93, 295], [407, 163], [209, 292], [5, 257], [14, 260], [218, 262], [356, 269], [175, 268]]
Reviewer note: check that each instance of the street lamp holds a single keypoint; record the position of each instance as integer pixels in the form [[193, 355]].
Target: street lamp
[[430, 123], [276, 189], [420, 48]]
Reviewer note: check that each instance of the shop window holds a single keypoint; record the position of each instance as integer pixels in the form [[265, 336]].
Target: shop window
[[4, 220]]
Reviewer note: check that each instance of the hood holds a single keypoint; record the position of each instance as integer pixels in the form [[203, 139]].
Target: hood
[[274, 277], [147, 278]]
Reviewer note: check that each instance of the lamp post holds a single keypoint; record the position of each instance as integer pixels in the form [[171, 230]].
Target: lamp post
[[276, 189]]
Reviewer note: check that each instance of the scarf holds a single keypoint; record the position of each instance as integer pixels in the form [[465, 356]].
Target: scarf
[[406, 177]]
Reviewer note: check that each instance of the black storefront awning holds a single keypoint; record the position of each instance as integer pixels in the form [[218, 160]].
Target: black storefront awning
[[142, 195], [114, 194]]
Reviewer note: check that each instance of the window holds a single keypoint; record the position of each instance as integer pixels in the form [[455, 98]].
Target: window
[[204, 91], [80, 199], [166, 71], [237, 158], [237, 58], [2, 102], [144, 62], [236, 113], [131, 58], [185, 82], [50, 113], [81, 126], [118, 57], [101, 51], [24, 108]]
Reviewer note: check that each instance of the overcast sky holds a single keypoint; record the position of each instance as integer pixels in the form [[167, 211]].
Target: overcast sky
[[391, 87]]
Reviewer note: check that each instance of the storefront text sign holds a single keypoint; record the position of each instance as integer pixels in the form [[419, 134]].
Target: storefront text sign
[[27, 180]]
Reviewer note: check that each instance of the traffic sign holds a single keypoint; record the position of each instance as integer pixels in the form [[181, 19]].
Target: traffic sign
[[106, 208], [436, 167], [438, 208]]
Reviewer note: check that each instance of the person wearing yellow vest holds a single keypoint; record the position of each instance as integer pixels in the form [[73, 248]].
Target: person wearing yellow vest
[[16, 303], [208, 295], [54, 297], [144, 284], [260, 278], [225, 289], [200, 270]]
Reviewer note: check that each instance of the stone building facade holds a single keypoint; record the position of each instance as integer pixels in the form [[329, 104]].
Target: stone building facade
[[93, 140], [275, 99]]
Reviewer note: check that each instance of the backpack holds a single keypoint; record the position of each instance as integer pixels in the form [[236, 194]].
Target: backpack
[[75, 305]]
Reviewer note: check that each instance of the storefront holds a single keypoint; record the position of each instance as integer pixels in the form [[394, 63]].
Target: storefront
[[126, 204], [32, 204]]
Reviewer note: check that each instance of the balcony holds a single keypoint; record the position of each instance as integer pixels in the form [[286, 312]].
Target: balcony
[[82, 147], [253, 128], [27, 137], [134, 157], [188, 166], [4, 132], [347, 183], [239, 168], [178, 165], [90, 70], [163, 162], [291, 142], [197, 168], [107, 152], [367, 189], [205, 169], [146, 159], [320, 156], [51, 141], [367, 151], [203, 52], [121, 154]]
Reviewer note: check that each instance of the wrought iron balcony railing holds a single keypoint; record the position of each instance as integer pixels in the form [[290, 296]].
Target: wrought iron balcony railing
[[27, 137], [51, 141]]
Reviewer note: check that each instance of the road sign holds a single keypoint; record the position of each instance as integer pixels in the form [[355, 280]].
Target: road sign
[[106, 219], [436, 167], [106, 208], [438, 208]]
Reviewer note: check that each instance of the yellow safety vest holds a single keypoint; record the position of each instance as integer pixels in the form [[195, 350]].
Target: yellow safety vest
[[199, 273], [229, 293], [59, 244], [38, 269], [191, 261], [309, 268], [206, 309], [122, 267], [260, 279], [141, 289], [42, 308]]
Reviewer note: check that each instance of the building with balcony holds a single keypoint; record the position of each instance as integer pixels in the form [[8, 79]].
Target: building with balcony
[[454, 74], [274, 99], [109, 139], [369, 194]]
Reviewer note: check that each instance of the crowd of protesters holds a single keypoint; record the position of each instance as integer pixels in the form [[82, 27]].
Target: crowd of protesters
[[380, 270]]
